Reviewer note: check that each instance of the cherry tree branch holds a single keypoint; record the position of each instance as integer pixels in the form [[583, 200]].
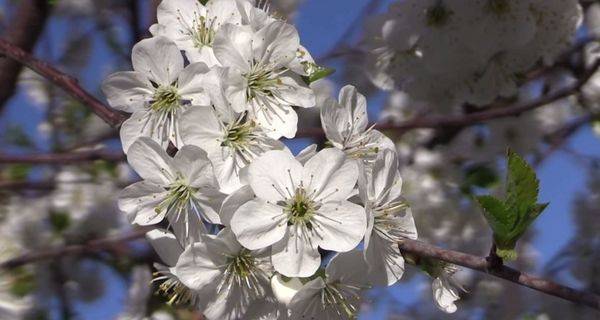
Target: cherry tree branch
[[465, 120], [415, 247], [422, 249], [64, 81], [93, 246], [24, 30], [63, 158]]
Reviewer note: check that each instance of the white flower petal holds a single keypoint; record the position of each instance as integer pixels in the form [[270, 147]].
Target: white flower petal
[[191, 84], [295, 256], [166, 245], [127, 91], [295, 92], [330, 175], [151, 162], [199, 266], [386, 264], [158, 58], [275, 175], [139, 201], [258, 224], [284, 290], [276, 44], [444, 295], [233, 46], [233, 202], [341, 225], [348, 267]]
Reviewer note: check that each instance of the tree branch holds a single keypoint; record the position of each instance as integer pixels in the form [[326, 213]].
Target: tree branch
[[64, 81], [481, 264], [63, 158], [24, 30], [78, 249], [415, 247], [465, 120]]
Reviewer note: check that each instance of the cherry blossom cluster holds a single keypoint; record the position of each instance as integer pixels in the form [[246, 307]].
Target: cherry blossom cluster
[[241, 223], [450, 52]]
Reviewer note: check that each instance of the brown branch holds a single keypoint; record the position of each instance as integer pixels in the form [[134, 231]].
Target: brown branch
[[416, 247], [64, 81], [27, 185], [24, 30], [93, 246], [63, 158], [481, 264], [465, 120]]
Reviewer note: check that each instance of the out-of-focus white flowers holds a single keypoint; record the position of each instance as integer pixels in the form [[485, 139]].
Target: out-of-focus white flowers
[[431, 50]]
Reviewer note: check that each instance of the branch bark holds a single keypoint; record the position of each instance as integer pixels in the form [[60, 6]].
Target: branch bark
[[63, 158], [465, 120], [415, 247], [78, 249], [24, 30], [482, 264], [64, 81]]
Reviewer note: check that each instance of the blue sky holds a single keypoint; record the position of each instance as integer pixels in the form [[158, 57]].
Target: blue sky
[[321, 24]]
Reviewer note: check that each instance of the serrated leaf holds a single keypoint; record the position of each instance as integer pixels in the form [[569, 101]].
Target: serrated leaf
[[522, 185], [497, 215], [527, 220], [510, 219]]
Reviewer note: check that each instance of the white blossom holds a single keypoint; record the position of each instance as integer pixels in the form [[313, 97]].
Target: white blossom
[[232, 140], [193, 26], [227, 276], [345, 124], [156, 92], [337, 294], [389, 219], [300, 208], [183, 189], [262, 81]]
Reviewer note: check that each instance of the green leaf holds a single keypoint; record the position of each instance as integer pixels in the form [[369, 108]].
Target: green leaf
[[522, 185], [510, 219], [316, 72], [498, 217], [203, 2]]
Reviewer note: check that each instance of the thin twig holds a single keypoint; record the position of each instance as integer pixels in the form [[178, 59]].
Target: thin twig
[[416, 247], [476, 117], [481, 264], [25, 28], [78, 249], [63, 158], [64, 81]]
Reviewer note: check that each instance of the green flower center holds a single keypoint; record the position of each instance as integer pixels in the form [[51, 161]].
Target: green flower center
[[300, 209], [238, 135], [438, 15], [261, 82], [165, 99], [204, 32], [243, 271], [180, 196], [175, 291]]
